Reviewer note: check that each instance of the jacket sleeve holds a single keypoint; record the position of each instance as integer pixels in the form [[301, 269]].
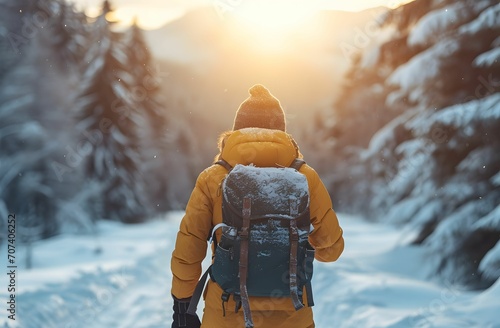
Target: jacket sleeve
[[191, 244], [326, 238]]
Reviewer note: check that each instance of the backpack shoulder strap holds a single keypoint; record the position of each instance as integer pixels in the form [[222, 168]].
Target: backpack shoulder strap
[[224, 164], [297, 163], [198, 291]]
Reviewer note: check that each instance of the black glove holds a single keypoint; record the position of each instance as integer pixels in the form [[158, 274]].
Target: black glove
[[181, 318]]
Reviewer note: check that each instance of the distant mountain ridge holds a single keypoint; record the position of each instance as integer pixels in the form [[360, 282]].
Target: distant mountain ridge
[[213, 61], [205, 27]]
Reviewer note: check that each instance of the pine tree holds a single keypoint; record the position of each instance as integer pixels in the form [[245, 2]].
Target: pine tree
[[122, 136], [26, 145], [107, 112], [432, 162], [70, 34], [16, 31], [154, 123], [145, 93]]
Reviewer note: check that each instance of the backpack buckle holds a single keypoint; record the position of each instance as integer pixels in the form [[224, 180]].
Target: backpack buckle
[[244, 233], [237, 301]]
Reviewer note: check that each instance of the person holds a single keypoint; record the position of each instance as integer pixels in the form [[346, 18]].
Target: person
[[258, 137]]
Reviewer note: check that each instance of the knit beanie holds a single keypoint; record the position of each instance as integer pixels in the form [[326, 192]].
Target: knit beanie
[[260, 110]]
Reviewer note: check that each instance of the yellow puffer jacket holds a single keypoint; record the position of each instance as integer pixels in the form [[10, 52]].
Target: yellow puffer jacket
[[261, 147]]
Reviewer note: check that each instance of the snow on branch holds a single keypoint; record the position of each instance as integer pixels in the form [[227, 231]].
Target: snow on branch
[[490, 221], [460, 115], [413, 76], [490, 264], [487, 59], [489, 19], [436, 23]]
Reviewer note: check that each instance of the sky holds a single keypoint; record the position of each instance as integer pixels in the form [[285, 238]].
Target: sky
[[152, 14]]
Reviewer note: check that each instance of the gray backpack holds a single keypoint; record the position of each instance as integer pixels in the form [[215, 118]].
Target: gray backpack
[[264, 248]]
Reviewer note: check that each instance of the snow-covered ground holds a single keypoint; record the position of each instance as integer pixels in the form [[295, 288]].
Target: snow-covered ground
[[376, 283]]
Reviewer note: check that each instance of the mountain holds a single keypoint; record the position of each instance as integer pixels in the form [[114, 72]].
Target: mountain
[[211, 61]]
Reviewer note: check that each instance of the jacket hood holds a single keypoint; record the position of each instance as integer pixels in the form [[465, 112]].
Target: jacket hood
[[260, 147]]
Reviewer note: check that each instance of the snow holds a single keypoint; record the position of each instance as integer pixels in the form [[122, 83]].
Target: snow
[[376, 283], [437, 22], [11, 105], [370, 57], [490, 264], [489, 19], [488, 58], [453, 225], [264, 184], [490, 221], [495, 180], [385, 136], [405, 210], [280, 235], [411, 78], [460, 115], [415, 157], [106, 280], [428, 212]]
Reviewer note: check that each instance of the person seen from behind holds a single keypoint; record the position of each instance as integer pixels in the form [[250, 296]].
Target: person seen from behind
[[258, 138]]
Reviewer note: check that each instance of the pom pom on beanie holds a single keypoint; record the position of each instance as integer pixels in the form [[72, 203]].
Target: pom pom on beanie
[[260, 110]]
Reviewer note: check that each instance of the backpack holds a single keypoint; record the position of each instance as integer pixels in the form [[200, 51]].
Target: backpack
[[264, 248]]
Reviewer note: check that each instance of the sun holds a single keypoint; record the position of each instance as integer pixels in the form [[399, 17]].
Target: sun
[[272, 22], [275, 14]]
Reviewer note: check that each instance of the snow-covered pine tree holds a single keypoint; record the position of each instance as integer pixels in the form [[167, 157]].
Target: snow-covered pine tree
[[434, 167], [107, 114], [154, 123], [26, 148], [70, 34], [32, 106], [142, 67], [16, 30], [165, 141]]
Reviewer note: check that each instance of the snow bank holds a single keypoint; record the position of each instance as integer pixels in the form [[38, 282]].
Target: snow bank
[[77, 281], [377, 283]]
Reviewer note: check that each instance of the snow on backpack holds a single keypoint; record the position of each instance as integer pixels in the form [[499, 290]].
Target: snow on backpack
[[264, 248]]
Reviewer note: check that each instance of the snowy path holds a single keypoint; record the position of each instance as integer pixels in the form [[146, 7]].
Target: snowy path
[[379, 283], [144, 303], [374, 284]]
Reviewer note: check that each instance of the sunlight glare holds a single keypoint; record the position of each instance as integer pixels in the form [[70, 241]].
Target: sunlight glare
[[272, 22], [360, 5], [274, 15], [148, 18]]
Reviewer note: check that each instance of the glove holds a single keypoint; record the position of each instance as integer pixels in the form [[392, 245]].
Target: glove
[[181, 318]]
